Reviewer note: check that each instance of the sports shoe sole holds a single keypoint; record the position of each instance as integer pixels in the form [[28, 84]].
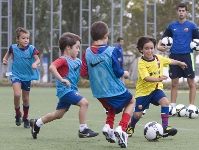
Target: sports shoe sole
[[120, 141], [108, 138], [172, 133], [32, 124]]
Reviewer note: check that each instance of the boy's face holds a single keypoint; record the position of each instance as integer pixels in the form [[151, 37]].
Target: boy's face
[[23, 40], [182, 13], [148, 51], [121, 42], [75, 50]]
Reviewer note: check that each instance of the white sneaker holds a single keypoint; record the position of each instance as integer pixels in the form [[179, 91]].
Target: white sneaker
[[109, 133], [122, 137]]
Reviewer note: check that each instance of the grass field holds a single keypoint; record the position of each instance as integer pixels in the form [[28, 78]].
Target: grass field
[[62, 134]]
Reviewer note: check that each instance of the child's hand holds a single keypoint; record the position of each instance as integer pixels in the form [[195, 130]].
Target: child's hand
[[5, 61], [65, 81], [162, 77], [34, 66], [126, 74], [183, 65]]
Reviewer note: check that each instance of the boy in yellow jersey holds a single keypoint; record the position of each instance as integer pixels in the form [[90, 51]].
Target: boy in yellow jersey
[[149, 88]]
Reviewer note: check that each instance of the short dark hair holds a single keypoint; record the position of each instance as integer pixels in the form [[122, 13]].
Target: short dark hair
[[143, 40], [182, 5], [119, 39], [68, 39], [98, 30]]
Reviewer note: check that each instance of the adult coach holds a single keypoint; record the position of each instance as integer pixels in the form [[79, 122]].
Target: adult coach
[[118, 46], [182, 31]]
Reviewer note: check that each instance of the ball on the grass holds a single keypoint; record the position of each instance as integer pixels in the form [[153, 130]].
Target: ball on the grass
[[172, 111], [192, 111], [181, 110], [153, 131]]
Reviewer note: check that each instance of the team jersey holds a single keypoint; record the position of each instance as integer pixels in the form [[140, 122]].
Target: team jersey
[[153, 68], [182, 34], [22, 63], [103, 81], [72, 75]]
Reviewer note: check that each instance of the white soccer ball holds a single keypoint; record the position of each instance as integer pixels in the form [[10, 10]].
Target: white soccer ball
[[194, 45], [167, 41], [153, 131], [181, 110], [192, 111], [172, 111]]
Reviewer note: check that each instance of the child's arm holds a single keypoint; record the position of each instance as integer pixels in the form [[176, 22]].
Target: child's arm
[[5, 58], [37, 61], [153, 79], [55, 73], [84, 67], [176, 62]]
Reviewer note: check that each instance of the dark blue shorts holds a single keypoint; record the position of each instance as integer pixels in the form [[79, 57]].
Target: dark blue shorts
[[117, 102], [143, 102], [25, 85], [176, 71], [71, 98]]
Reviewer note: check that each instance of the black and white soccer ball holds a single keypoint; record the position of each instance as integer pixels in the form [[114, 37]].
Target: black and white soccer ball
[[172, 111], [167, 41], [192, 111], [181, 110], [194, 44], [153, 131]]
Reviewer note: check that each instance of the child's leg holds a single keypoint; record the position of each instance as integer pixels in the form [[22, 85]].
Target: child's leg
[[127, 114], [110, 117], [164, 111], [84, 131], [17, 95], [26, 103], [83, 104]]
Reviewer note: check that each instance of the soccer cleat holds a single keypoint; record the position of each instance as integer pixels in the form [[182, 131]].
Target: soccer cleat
[[130, 131], [122, 137], [26, 123], [109, 133], [34, 128], [87, 133], [168, 131], [18, 119]]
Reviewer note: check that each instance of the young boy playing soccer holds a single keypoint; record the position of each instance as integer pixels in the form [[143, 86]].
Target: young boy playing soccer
[[25, 61], [149, 88], [101, 66], [66, 71]]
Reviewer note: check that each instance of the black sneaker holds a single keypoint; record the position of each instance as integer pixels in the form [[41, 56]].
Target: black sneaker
[[129, 131], [26, 123], [34, 128], [168, 131], [18, 119], [86, 133]]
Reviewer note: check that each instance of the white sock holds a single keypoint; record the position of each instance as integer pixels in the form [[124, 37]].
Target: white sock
[[82, 127], [191, 105], [173, 104], [39, 122]]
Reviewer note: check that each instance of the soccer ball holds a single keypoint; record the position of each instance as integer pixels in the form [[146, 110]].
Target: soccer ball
[[153, 131], [181, 110], [192, 111], [167, 41], [172, 111], [194, 45]]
